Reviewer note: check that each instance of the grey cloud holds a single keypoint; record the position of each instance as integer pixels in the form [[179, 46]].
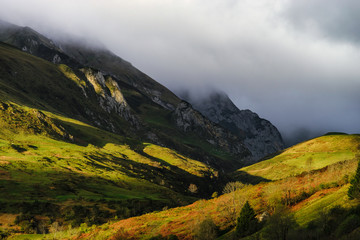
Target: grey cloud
[[287, 60], [333, 19]]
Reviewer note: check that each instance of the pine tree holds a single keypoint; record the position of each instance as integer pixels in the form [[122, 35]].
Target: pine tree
[[247, 222], [354, 189]]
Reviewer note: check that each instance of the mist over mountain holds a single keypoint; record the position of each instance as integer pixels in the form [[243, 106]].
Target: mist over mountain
[[259, 135], [283, 60], [93, 147], [121, 90]]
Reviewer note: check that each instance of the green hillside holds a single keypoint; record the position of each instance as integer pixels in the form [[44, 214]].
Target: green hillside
[[313, 196], [310, 155], [41, 161], [56, 166], [34, 82], [84, 155]]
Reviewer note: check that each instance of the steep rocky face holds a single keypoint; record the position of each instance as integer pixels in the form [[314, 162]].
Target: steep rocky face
[[109, 63], [77, 55], [190, 120], [259, 135], [109, 95]]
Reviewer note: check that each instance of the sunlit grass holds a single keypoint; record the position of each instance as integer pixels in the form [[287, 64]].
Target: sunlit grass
[[173, 158], [325, 188], [46, 168], [310, 155]]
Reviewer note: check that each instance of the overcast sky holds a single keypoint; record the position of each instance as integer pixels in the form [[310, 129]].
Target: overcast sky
[[295, 63]]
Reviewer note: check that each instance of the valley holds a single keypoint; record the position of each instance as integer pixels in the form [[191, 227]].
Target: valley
[[92, 148]]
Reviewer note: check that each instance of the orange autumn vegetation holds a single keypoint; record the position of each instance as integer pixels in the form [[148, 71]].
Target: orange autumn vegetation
[[306, 188], [182, 220]]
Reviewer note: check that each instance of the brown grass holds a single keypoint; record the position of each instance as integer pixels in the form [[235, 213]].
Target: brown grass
[[7, 220], [315, 196], [181, 221]]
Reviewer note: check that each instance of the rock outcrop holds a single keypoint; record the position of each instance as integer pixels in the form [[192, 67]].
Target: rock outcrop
[[109, 95], [109, 63], [189, 120], [259, 135]]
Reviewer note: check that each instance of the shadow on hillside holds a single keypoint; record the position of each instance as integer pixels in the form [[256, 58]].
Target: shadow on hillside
[[83, 135], [63, 185], [164, 174], [244, 177]]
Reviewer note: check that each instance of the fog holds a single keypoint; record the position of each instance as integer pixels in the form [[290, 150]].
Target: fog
[[293, 62]]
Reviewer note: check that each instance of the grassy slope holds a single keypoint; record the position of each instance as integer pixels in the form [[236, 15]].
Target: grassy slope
[[49, 157], [40, 162], [38, 166], [34, 82], [313, 154], [324, 183]]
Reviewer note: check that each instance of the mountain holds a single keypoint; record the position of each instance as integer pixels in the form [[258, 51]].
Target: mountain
[[259, 135], [86, 143], [71, 150], [120, 90], [92, 148]]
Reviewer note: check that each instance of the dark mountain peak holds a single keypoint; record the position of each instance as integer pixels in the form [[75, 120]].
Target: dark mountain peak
[[259, 135], [28, 37], [190, 120], [217, 100]]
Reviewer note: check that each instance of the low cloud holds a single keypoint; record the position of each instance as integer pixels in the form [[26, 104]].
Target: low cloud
[[279, 58], [330, 19]]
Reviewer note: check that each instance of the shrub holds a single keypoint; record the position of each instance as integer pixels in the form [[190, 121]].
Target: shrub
[[172, 237], [279, 224], [206, 230], [27, 222], [122, 234], [4, 234], [354, 189], [348, 225], [193, 188], [233, 186]]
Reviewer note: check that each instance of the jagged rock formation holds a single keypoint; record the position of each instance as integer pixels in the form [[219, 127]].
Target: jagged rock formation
[[109, 63], [190, 120], [109, 95], [259, 135]]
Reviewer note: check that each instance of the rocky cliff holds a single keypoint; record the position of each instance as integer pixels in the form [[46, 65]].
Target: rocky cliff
[[259, 135], [109, 63], [190, 120]]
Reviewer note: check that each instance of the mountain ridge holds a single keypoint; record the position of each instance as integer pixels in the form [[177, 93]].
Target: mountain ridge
[[164, 97]]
